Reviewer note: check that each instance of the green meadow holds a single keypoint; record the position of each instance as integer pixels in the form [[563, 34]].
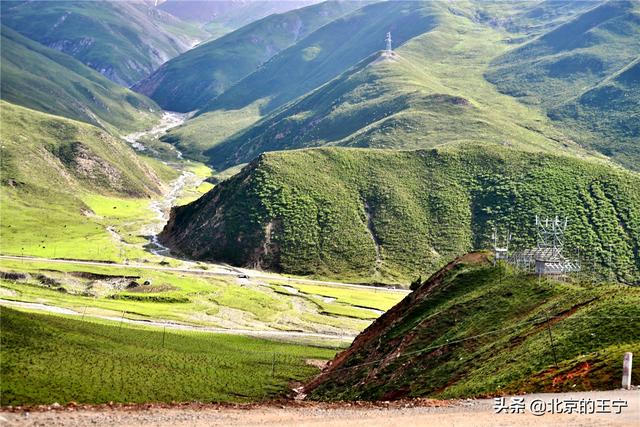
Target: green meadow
[[49, 359]]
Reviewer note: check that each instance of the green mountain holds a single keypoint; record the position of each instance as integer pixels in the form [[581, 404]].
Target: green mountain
[[51, 167], [473, 329], [124, 41], [40, 78], [605, 116], [390, 216], [191, 80], [386, 101], [46, 152], [325, 53], [430, 91], [224, 16], [584, 73]]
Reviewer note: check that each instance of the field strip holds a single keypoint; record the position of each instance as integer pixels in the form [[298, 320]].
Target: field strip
[[176, 326], [234, 273]]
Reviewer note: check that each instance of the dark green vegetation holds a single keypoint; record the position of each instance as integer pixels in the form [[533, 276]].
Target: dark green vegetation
[[44, 79], [125, 41], [191, 80], [50, 165], [48, 359], [392, 215], [585, 74], [474, 329]]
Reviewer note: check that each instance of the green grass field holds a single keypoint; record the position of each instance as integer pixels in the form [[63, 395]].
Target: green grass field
[[50, 359], [194, 299]]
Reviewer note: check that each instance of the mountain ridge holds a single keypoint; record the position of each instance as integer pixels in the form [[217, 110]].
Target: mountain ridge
[[189, 81], [70, 89], [124, 41], [314, 211], [474, 329]]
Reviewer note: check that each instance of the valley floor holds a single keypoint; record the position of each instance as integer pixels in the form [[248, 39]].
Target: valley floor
[[460, 413]]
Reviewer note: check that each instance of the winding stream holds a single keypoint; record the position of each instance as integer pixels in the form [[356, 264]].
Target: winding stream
[[162, 207], [169, 120]]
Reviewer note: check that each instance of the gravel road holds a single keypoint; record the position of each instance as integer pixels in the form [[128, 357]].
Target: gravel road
[[408, 413]]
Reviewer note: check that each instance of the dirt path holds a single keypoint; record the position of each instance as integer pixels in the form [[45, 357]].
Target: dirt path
[[466, 413], [276, 334]]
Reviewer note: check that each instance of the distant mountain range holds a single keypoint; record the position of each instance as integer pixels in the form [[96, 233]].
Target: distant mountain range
[[585, 74], [324, 91], [44, 79], [122, 40], [191, 81], [502, 101], [223, 16]]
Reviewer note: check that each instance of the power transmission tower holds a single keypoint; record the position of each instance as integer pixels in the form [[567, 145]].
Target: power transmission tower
[[550, 234]]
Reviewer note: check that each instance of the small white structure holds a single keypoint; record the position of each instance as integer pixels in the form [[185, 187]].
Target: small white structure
[[626, 370], [500, 249]]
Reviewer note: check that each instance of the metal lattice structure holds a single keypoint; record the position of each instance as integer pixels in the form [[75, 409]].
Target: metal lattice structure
[[547, 257], [550, 234]]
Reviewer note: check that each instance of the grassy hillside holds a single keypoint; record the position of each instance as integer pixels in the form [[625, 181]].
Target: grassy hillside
[[392, 215], [44, 79], [50, 167], [124, 41], [474, 329], [193, 79], [604, 116], [324, 54], [431, 91], [385, 101], [582, 73], [50, 359]]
